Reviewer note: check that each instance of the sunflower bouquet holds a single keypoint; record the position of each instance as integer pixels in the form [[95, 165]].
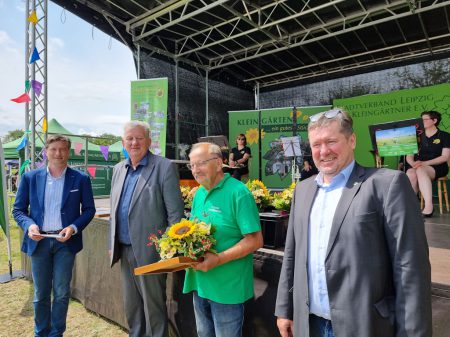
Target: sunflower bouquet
[[282, 200], [187, 194], [185, 238], [259, 192]]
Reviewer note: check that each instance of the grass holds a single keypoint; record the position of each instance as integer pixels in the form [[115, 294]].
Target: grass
[[16, 307]]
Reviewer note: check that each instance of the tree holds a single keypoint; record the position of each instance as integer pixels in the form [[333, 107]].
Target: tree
[[104, 139], [431, 73], [12, 135], [353, 90]]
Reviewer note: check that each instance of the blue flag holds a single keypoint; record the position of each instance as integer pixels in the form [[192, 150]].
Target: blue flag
[[34, 56]]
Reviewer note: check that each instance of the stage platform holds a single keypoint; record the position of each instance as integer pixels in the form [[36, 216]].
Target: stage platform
[[438, 235]]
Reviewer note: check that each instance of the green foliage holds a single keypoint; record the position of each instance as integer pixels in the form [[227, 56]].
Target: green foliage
[[354, 90], [12, 135], [104, 139], [431, 73]]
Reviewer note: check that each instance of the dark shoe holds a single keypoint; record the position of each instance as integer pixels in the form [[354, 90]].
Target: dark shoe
[[428, 215]]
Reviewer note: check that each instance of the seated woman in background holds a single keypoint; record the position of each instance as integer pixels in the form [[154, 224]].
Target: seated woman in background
[[239, 157], [431, 161]]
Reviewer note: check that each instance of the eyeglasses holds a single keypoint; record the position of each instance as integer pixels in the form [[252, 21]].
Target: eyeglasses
[[199, 164], [328, 114], [241, 139], [137, 139]]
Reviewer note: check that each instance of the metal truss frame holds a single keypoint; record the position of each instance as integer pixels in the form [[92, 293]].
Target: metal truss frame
[[272, 42], [36, 109]]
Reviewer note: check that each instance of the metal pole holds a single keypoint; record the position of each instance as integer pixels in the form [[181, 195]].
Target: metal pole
[[177, 109], [139, 62], [257, 96], [27, 76], [207, 103], [86, 154], [45, 84], [33, 98]]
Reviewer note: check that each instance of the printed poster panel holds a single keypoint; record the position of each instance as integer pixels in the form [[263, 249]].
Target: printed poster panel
[[149, 104], [275, 125], [391, 107]]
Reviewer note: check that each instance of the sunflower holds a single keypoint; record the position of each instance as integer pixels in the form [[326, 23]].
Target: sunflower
[[181, 229], [252, 135]]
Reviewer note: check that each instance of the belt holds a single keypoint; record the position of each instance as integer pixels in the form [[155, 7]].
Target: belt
[[51, 232]]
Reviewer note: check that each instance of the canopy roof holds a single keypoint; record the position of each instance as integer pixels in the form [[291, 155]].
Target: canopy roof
[[277, 42]]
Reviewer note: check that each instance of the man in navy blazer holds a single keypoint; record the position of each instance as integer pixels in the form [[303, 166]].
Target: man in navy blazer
[[48, 204]]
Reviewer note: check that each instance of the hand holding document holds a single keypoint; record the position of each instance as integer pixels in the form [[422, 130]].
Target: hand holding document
[[53, 236]]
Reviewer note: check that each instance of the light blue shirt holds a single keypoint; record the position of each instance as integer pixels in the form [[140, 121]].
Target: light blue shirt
[[320, 221], [125, 199], [52, 202]]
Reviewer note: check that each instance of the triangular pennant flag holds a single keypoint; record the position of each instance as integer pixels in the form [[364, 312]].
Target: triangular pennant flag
[[33, 17], [27, 86], [91, 170], [25, 163], [37, 87], [22, 98], [22, 144], [44, 125], [125, 153], [104, 149], [78, 148], [34, 56]]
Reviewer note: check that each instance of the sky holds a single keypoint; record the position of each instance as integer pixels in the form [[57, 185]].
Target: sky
[[89, 74]]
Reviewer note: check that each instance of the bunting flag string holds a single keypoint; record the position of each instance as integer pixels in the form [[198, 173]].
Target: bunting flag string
[[27, 86], [78, 148], [104, 149], [22, 143], [35, 56], [33, 18], [25, 163], [125, 153], [24, 98], [44, 125], [37, 87], [92, 170]]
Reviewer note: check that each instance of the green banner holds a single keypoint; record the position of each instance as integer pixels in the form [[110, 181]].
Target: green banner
[[394, 106], [149, 104], [4, 217], [275, 124]]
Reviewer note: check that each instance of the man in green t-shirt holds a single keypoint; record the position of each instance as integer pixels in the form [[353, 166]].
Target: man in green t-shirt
[[223, 281]]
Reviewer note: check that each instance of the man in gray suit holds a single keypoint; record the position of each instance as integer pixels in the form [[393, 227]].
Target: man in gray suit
[[356, 257], [145, 198]]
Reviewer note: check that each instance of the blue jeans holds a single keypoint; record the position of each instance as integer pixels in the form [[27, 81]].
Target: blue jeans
[[51, 267], [320, 327], [218, 320]]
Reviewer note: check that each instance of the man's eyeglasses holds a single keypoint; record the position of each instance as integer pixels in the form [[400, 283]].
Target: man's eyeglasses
[[137, 139], [328, 114], [199, 164]]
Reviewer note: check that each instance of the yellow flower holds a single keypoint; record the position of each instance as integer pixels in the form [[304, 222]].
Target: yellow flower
[[181, 229], [252, 135]]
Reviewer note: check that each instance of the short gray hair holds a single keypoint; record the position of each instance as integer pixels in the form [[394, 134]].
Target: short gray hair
[[343, 118], [135, 124], [212, 148]]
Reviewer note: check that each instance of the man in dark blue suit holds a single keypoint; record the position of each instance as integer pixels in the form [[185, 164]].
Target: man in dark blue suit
[[48, 203]]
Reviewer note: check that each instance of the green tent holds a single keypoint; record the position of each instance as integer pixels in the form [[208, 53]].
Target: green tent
[[94, 153], [100, 169]]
